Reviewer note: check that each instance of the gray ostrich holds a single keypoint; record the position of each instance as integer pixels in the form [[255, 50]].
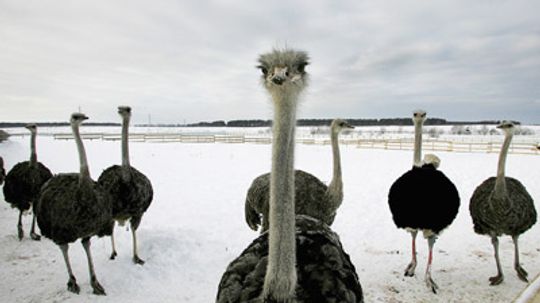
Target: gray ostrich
[[23, 183], [502, 206], [313, 197], [130, 190], [423, 199], [300, 259], [73, 206]]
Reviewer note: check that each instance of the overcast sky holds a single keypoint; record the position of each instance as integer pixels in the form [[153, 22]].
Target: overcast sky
[[187, 61]]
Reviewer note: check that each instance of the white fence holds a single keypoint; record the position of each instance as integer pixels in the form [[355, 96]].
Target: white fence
[[448, 145]]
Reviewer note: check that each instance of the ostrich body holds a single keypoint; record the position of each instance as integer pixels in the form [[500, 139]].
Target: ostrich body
[[502, 206], [72, 206], [23, 183], [130, 190], [312, 196], [423, 199], [268, 270]]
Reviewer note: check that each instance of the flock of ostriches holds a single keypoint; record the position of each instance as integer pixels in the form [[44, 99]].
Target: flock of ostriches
[[297, 257]]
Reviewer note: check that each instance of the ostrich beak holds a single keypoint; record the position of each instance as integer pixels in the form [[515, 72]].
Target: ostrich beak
[[279, 76], [347, 125]]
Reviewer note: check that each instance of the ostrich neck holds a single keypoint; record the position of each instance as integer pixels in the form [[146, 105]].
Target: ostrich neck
[[335, 189], [280, 279], [125, 142], [33, 154], [417, 144], [84, 172], [500, 183]]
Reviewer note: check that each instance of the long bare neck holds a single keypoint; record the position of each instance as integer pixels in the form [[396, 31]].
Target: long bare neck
[[280, 279], [335, 189], [84, 173], [33, 153], [417, 160], [125, 141], [500, 182]]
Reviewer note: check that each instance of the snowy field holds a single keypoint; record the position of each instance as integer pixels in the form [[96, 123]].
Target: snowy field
[[195, 225]]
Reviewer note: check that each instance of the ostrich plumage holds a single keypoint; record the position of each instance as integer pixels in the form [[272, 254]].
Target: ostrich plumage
[[313, 197], [299, 259], [130, 190], [73, 206], [424, 199], [500, 206], [23, 184], [325, 271]]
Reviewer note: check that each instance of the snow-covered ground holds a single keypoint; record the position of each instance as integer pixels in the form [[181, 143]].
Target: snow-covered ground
[[195, 225]]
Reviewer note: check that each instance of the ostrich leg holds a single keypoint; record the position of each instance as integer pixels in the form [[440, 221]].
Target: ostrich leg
[[522, 274], [98, 289], [135, 221], [33, 234], [429, 281], [72, 282], [496, 280], [113, 254], [409, 271], [19, 227]]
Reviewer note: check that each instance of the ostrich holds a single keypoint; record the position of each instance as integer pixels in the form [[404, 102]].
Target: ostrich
[[502, 206], [300, 259], [2, 171], [23, 183], [313, 197], [423, 199], [74, 206], [130, 190]]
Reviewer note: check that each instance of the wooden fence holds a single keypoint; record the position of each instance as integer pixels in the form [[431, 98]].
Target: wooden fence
[[446, 145]]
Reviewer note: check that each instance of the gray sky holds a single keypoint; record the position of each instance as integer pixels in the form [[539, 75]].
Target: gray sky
[[195, 60]]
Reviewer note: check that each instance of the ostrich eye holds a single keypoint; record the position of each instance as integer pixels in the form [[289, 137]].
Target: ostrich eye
[[301, 67], [264, 70]]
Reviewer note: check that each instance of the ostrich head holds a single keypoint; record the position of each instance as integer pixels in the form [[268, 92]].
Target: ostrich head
[[507, 127], [431, 159], [284, 72], [31, 127], [124, 111], [339, 124], [77, 119], [419, 116]]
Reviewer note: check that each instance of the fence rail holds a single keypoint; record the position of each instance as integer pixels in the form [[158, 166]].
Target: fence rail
[[364, 143]]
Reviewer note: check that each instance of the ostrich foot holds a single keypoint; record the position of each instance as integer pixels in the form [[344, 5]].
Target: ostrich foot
[[98, 289], [72, 285], [496, 280], [35, 236], [409, 271], [113, 255], [431, 284], [138, 260], [522, 273]]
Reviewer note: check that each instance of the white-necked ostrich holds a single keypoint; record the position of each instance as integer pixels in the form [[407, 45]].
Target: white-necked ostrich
[[73, 206], [313, 197], [130, 190], [23, 183], [423, 199], [299, 259], [502, 206]]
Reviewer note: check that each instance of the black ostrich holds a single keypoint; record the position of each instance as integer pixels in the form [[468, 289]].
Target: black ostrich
[[502, 206], [2, 171], [23, 183], [423, 199], [73, 206], [299, 259], [130, 190]]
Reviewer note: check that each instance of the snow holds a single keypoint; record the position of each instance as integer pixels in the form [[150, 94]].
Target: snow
[[195, 225]]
